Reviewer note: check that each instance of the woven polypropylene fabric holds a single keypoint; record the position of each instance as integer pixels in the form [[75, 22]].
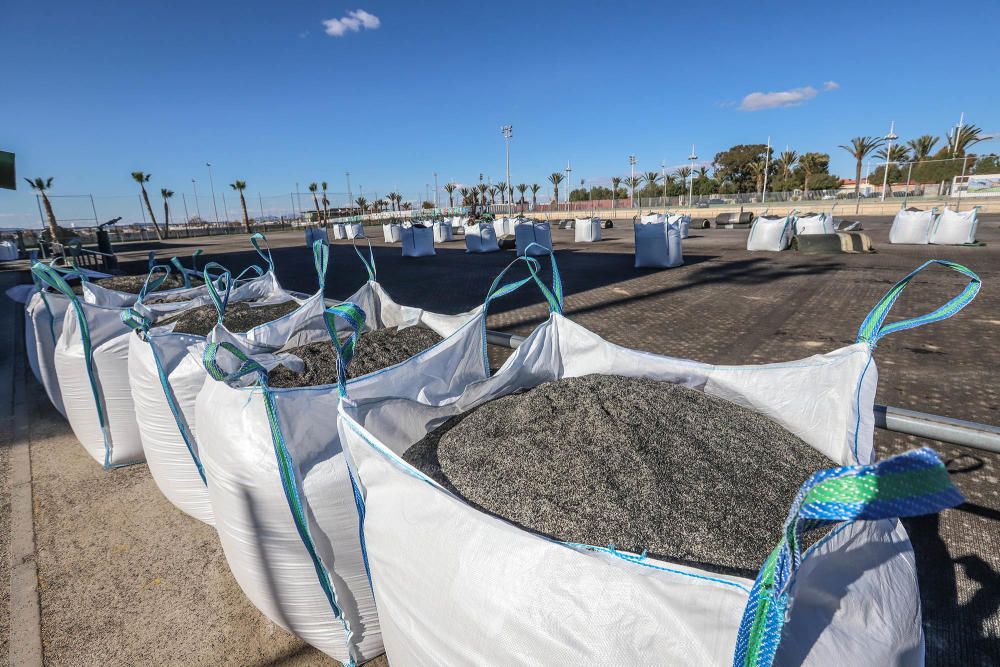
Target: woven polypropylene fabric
[[240, 317], [133, 284]]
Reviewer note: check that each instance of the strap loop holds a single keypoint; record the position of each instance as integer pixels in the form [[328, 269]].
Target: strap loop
[[874, 326], [152, 284], [226, 279], [135, 320], [180, 267], [352, 314], [247, 365], [256, 240], [321, 258], [370, 262], [910, 484]]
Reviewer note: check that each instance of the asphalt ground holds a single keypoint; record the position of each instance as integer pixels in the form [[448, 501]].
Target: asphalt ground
[[124, 578]]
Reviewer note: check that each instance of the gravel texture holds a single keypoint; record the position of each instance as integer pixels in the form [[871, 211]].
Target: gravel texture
[[133, 284], [240, 317], [375, 351], [640, 464]]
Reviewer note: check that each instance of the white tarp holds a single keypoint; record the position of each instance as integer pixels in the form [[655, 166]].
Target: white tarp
[[770, 233], [911, 227], [456, 586], [821, 223], [390, 233], [417, 240], [442, 232], [587, 230], [658, 245], [530, 232], [481, 237], [270, 560], [954, 228]]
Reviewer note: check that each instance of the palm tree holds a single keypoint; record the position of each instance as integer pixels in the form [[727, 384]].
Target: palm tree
[[492, 190], [683, 173], [922, 146], [503, 192], [521, 187], [810, 164], [481, 189], [757, 170], [893, 156], [632, 182], [394, 198], [450, 189], [859, 148], [786, 162], [535, 187], [240, 186], [362, 203], [968, 136], [326, 203], [313, 187], [166, 194], [616, 182], [142, 179], [40, 185], [651, 178]]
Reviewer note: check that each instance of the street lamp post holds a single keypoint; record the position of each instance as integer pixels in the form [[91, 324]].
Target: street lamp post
[[891, 137], [350, 197], [906, 194], [569, 185], [691, 157], [435, 189], [211, 182], [508, 132], [196, 204], [767, 161], [663, 175], [631, 182]]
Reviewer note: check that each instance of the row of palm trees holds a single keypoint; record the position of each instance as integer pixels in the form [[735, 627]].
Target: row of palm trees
[[161, 233]]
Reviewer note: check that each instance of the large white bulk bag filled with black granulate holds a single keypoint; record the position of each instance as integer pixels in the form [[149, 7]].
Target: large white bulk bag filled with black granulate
[[821, 223], [339, 231], [390, 233], [165, 379], [283, 501], [481, 237], [658, 245], [587, 230], [683, 222], [533, 238], [457, 586], [355, 230], [911, 227], [442, 232], [954, 228], [771, 233], [417, 240]]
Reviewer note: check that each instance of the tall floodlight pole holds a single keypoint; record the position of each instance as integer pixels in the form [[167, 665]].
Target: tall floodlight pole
[[767, 159], [663, 175], [691, 157], [906, 194], [569, 185], [350, 196], [211, 182], [508, 132], [260, 199], [631, 182], [196, 204], [891, 137], [186, 216], [958, 131]]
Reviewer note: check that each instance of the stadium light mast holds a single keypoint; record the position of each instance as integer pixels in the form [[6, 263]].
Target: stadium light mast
[[891, 137], [196, 204], [767, 158], [663, 175], [211, 182], [508, 132], [569, 185], [691, 157], [631, 183]]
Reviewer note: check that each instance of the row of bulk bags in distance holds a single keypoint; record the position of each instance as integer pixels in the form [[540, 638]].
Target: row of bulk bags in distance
[[658, 243], [354, 230], [291, 534], [456, 586], [923, 227]]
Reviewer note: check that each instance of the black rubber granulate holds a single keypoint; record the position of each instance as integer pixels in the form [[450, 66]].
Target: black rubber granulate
[[373, 352], [644, 465], [240, 317], [133, 284]]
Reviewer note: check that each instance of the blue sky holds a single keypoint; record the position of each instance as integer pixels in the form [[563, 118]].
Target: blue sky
[[98, 89]]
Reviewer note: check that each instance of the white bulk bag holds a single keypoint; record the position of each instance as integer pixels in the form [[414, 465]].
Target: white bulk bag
[[417, 240], [442, 232], [390, 233], [652, 218], [770, 233], [500, 227], [537, 234], [821, 223], [165, 380], [658, 245], [457, 222], [682, 221], [355, 230], [911, 227], [339, 232], [954, 228], [170, 299], [481, 237], [8, 251], [457, 586], [587, 230], [302, 575]]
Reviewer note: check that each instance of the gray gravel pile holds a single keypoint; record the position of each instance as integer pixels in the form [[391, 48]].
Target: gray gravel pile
[[133, 284], [240, 317], [374, 351], [640, 464]]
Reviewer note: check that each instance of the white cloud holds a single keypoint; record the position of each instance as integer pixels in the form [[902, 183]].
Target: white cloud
[[830, 85], [354, 21], [783, 98]]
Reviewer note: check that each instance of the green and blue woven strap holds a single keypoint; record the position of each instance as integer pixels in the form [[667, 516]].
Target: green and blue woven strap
[[180, 269], [874, 326], [321, 258], [224, 280], [152, 284], [355, 318], [194, 258], [247, 365], [370, 262], [253, 268], [910, 484], [150, 260], [135, 320], [257, 240]]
